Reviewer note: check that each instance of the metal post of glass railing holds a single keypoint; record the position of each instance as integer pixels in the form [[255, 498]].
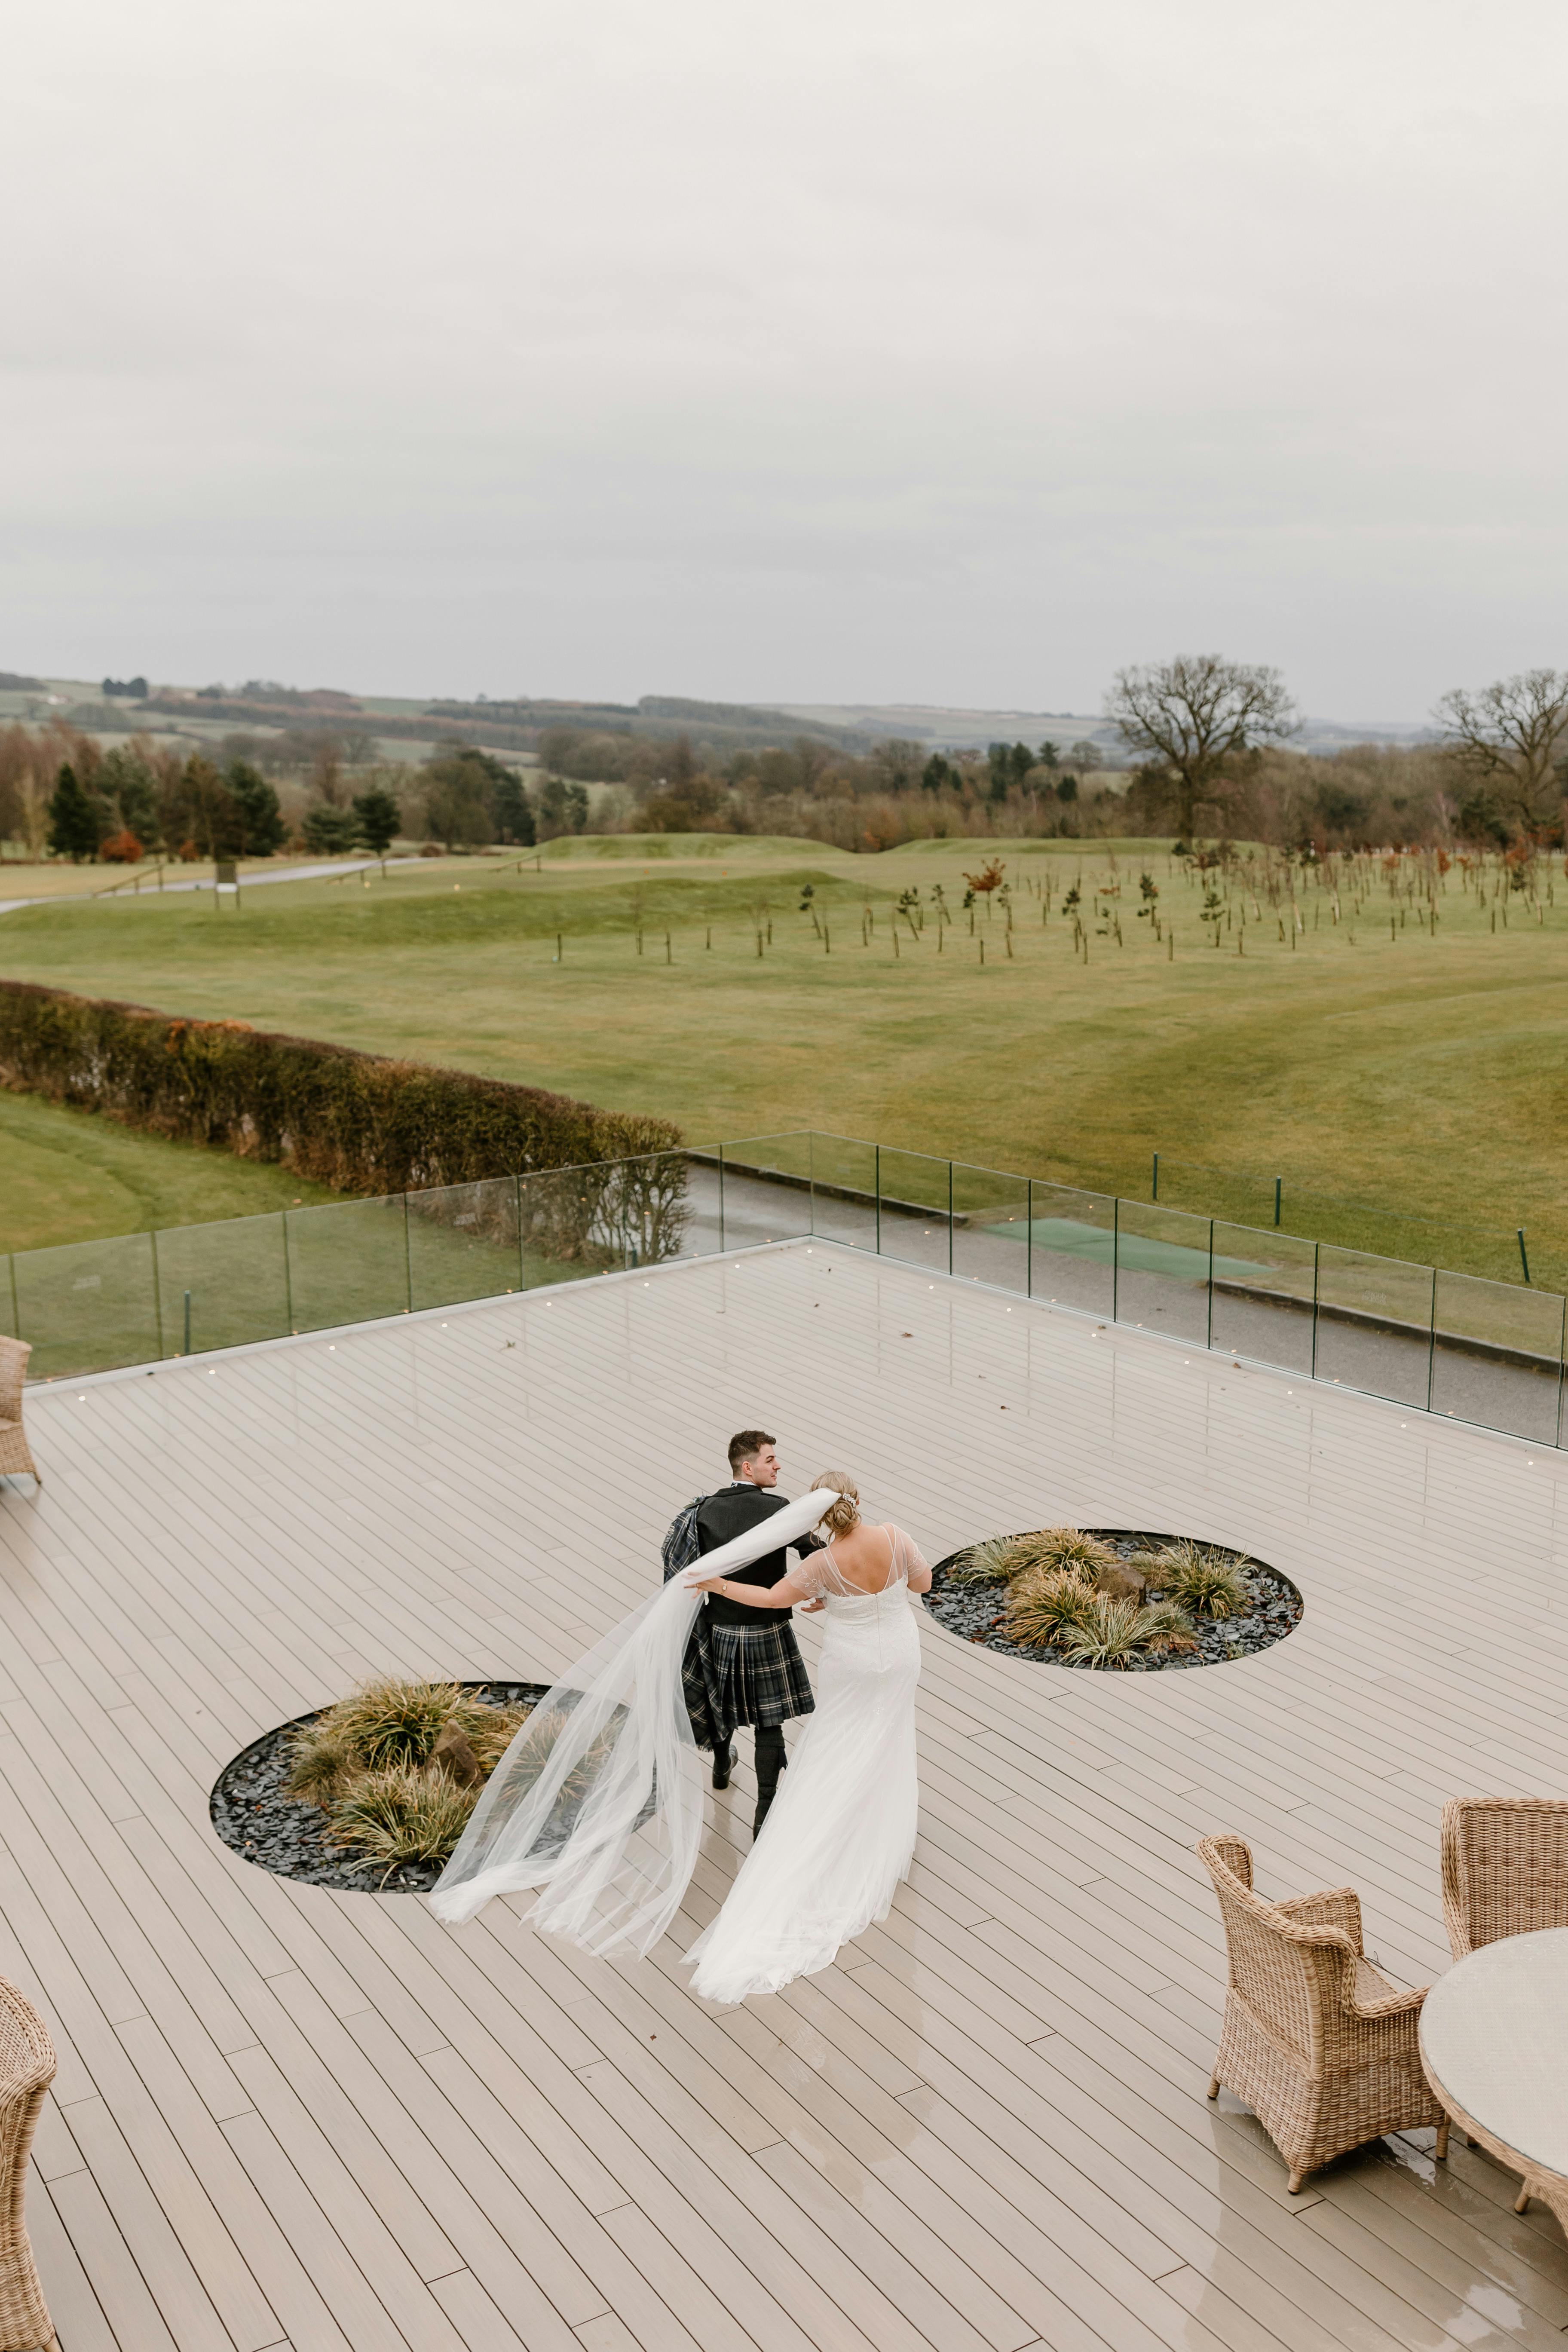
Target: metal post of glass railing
[[288, 1272], [158, 1297], [407, 1259], [721, 1200], [1115, 1254], [1431, 1336], [1029, 1241], [878, 1182], [950, 1216], [1317, 1253], [1208, 1341]]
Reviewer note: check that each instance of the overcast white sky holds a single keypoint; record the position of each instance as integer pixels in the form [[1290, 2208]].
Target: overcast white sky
[[836, 350]]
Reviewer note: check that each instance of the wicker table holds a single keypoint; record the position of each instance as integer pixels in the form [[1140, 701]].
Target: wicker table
[[1494, 2045]]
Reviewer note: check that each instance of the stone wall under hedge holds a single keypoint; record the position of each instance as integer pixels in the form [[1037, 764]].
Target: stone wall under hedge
[[359, 1122]]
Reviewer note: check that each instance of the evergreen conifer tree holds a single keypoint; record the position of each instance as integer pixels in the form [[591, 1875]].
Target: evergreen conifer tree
[[261, 819], [129, 786], [380, 819], [75, 818], [514, 818]]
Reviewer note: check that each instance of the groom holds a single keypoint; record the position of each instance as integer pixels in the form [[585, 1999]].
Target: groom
[[743, 1665]]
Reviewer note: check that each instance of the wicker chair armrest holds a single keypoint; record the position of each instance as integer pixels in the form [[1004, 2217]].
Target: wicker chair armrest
[[1338, 1908], [1455, 1905], [1459, 1927], [1393, 2005]]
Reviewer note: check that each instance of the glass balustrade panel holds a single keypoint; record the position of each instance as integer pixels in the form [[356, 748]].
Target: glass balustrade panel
[[1263, 1294]]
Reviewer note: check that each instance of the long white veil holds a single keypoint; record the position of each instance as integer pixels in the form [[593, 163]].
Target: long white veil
[[598, 1801]]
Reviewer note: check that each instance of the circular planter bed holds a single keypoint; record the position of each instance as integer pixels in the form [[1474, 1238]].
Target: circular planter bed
[[253, 1811], [1265, 1605]]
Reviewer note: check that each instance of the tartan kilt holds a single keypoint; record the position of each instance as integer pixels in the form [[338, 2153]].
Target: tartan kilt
[[732, 1675]]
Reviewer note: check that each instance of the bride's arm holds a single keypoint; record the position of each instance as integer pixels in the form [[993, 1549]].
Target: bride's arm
[[917, 1571], [789, 1590]]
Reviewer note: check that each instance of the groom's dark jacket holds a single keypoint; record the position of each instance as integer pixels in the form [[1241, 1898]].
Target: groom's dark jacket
[[732, 1512]]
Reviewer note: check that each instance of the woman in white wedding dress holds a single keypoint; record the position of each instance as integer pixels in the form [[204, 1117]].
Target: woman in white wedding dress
[[598, 1804], [841, 1832]]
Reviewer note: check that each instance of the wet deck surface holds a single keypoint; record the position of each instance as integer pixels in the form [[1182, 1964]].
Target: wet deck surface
[[286, 2116]]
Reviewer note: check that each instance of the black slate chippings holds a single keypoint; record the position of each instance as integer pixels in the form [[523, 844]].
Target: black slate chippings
[[977, 1612], [253, 1812]]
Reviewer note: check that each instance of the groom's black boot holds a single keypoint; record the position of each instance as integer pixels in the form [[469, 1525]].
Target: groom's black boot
[[771, 1762], [723, 1757]]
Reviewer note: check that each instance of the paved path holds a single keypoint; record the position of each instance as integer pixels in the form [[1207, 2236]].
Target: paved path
[[286, 2117], [256, 881]]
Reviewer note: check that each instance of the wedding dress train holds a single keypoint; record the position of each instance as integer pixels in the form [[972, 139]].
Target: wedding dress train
[[598, 1803], [841, 1832]]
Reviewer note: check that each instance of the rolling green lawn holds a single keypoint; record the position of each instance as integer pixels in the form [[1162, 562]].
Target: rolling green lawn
[[70, 1176], [1424, 1073]]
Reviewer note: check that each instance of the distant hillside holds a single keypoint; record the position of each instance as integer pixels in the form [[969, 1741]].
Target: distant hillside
[[723, 726], [516, 723], [954, 729]]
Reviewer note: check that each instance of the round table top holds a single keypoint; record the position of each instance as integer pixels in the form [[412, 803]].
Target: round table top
[[1494, 2036]]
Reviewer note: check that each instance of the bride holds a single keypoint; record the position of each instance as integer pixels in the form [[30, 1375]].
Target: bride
[[841, 1831], [598, 1803]]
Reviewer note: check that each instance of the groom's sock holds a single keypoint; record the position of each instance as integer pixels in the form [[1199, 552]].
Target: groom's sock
[[771, 1762]]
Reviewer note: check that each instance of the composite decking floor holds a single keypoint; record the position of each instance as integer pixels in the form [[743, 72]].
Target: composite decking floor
[[290, 2117]]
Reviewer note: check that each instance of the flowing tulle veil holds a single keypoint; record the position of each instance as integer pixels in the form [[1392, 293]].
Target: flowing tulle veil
[[598, 1801]]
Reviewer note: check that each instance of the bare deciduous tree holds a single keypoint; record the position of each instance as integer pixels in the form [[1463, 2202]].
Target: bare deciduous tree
[[1511, 736], [1200, 719], [812, 759], [898, 763]]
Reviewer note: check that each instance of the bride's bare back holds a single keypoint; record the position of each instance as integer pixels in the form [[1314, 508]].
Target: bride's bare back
[[866, 1559]]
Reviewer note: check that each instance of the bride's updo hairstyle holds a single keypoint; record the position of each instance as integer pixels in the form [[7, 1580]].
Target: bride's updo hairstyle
[[846, 1513]]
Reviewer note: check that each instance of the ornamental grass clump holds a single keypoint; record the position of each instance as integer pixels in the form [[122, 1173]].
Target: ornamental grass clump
[[1207, 1582], [398, 1766], [1060, 1548], [1046, 1604], [1061, 1609], [1166, 1626], [985, 1563], [401, 1814], [1110, 1634], [388, 1722], [1115, 1634]]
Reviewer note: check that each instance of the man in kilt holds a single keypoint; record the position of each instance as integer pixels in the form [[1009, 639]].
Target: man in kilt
[[742, 1664]]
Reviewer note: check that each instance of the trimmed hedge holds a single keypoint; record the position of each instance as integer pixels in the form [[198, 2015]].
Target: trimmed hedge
[[359, 1122]]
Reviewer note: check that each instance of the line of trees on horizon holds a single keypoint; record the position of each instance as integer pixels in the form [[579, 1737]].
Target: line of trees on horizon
[[1201, 747]]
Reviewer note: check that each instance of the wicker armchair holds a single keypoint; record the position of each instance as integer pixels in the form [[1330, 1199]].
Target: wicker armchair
[[14, 1452], [27, 2070], [1320, 2046], [1505, 1868]]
